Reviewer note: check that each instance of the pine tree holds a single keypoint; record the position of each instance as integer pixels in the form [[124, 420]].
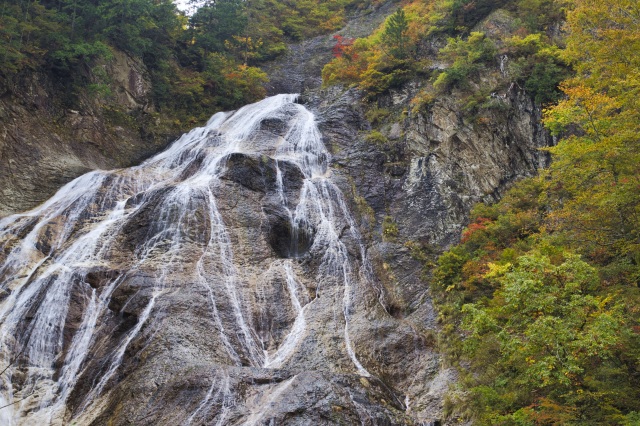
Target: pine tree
[[395, 34]]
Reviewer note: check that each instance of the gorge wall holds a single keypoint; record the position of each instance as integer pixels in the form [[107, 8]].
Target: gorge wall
[[266, 269], [46, 144]]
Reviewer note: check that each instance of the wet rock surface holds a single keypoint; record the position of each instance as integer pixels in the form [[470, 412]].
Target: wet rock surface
[[225, 281], [274, 281], [260, 271]]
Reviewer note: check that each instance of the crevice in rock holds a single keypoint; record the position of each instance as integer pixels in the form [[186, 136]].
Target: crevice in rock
[[289, 241]]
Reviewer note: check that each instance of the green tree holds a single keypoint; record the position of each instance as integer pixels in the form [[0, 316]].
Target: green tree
[[553, 345], [595, 171], [394, 35], [215, 22], [466, 58]]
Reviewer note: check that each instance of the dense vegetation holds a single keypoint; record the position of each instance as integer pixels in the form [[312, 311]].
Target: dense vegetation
[[539, 302], [406, 47], [543, 288], [198, 63]]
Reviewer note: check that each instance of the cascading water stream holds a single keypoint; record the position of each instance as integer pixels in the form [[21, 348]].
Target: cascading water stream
[[62, 264]]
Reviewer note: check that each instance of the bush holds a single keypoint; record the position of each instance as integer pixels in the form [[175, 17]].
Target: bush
[[466, 58], [375, 137], [389, 229]]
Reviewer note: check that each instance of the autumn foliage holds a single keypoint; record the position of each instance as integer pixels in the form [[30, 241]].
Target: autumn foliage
[[540, 301], [480, 224], [341, 43]]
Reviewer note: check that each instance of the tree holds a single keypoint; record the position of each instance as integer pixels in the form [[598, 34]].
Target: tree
[[212, 24], [596, 170], [341, 43], [394, 36], [550, 336], [552, 343], [467, 57]]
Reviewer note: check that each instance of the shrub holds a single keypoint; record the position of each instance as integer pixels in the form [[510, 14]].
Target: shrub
[[466, 58]]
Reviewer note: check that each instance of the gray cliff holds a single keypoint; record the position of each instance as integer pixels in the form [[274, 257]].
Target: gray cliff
[[233, 280]]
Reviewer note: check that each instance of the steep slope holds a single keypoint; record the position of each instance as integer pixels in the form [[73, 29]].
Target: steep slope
[[166, 278], [45, 144], [223, 280], [267, 267]]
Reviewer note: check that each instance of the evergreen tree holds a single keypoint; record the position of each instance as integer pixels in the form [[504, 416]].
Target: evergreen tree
[[395, 34]]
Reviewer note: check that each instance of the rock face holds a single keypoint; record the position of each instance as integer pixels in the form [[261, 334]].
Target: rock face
[[413, 195], [300, 69], [44, 145], [244, 276], [223, 281], [434, 165]]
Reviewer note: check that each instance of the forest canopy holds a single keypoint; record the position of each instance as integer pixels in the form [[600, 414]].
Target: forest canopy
[[201, 63], [541, 300]]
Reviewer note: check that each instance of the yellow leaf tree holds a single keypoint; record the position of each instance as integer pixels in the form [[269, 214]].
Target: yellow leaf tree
[[596, 171]]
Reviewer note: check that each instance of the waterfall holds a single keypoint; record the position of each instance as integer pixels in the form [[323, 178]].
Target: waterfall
[[92, 277]]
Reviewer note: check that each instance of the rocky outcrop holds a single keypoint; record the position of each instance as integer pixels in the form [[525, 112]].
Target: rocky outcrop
[[414, 193], [44, 144], [300, 68]]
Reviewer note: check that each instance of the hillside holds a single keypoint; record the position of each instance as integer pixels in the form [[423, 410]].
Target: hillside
[[441, 229], [106, 83]]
